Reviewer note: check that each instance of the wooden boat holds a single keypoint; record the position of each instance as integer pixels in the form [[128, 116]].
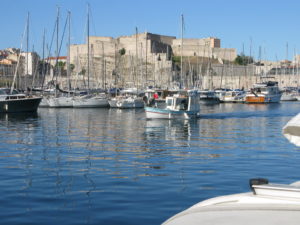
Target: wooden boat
[[16, 102], [267, 204], [266, 92], [184, 105]]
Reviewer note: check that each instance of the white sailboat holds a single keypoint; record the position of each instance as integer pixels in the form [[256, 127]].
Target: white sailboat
[[91, 99], [63, 100]]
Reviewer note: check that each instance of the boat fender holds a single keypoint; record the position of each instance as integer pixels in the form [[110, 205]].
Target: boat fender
[[257, 181]]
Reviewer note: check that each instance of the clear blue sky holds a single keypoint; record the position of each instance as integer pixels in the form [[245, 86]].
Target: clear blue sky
[[269, 24]]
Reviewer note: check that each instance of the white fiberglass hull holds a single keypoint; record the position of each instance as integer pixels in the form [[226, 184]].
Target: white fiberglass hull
[[90, 102], [113, 103], [129, 103], [157, 113], [268, 204], [44, 102], [61, 102], [288, 97]]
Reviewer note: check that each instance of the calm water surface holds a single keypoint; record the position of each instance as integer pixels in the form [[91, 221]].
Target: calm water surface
[[108, 166]]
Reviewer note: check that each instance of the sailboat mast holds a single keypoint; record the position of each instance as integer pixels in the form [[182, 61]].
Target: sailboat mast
[[57, 50], [181, 63], [43, 66], [27, 44], [146, 74], [69, 44], [136, 57], [88, 45]]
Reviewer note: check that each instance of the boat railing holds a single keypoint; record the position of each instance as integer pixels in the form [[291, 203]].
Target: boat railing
[[261, 186]]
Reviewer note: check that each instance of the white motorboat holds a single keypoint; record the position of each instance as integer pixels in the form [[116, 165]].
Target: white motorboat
[[266, 92], [267, 204], [220, 93], [130, 102], [292, 130], [129, 98], [234, 96], [289, 94], [184, 105], [208, 97]]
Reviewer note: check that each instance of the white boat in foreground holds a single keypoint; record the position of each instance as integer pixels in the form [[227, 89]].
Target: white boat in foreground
[[267, 204], [179, 106]]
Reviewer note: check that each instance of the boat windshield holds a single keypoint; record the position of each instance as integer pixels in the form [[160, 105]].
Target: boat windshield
[[6, 91], [169, 102], [2, 92], [182, 103]]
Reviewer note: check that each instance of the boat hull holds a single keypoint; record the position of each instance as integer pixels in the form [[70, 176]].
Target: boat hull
[[90, 102], [157, 113], [262, 99], [61, 102], [29, 104]]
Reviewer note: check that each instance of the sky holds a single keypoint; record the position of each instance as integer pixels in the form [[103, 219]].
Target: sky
[[270, 25]]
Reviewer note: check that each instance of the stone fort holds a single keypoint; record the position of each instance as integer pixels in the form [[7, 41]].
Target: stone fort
[[143, 59]]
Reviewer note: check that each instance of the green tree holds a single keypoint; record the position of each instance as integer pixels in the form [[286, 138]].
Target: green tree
[[72, 67], [243, 60], [61, 64], [122, 51]]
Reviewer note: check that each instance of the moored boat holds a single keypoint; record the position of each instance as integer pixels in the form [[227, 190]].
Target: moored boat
[[289, 94], [16, 102], [184, 105], [208, 97], [234, 96], [266, 92], [129, 99], [91, 101]]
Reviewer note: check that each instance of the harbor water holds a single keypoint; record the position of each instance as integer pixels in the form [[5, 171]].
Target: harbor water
[[110, 166]]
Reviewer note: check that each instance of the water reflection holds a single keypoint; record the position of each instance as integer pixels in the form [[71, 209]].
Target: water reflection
[[71, 162], [170, 130]]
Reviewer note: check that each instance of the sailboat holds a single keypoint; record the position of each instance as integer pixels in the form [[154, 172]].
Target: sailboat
[[91, 99], [62, 99]]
